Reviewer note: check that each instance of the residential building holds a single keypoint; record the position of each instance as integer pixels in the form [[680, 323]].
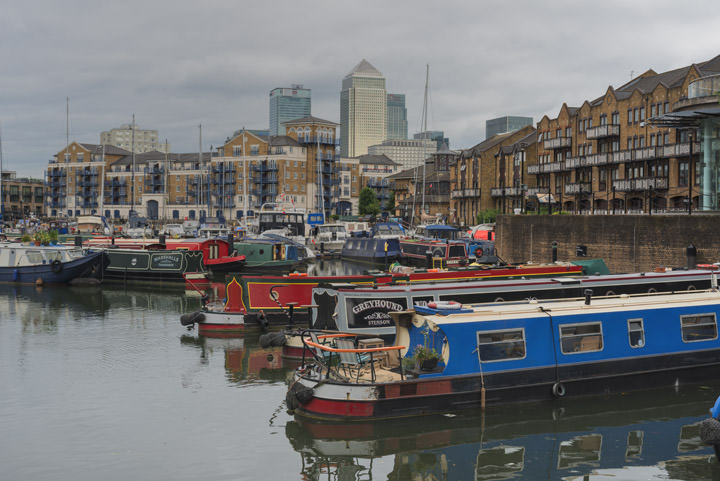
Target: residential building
[[20, 197], [407, 153], [436, 135], [363, 110], [503, 125], [322, 174], [350, 186], [607, 156], [374, 172], [288, 104], [483, 177], [133, 139], [397, 126]]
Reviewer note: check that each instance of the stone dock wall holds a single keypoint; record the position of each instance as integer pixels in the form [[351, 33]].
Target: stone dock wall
[[626, 243]]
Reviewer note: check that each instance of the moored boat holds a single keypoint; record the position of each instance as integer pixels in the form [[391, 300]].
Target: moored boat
[[150, 265], [514, 352], [30, 264]]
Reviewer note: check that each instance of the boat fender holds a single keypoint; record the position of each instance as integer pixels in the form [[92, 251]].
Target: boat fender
[[56, 266], [710, 431], [558, 389], [444, 305], [192, 318], [298, 395], [272, 339], [262, 320]]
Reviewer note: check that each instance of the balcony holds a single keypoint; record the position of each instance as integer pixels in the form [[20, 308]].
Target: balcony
[[269, 179], [265, 168], [506, 192], [557, 143], [578, 188], [586, 161], [545, 168], [678, 150], [538, 190], [640, 184], [646, 153], [602, 131], [463, 193], [323, 140]]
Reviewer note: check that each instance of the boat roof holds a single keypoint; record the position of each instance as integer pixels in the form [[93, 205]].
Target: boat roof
[[528, 284], [566, 307], [440, 227]]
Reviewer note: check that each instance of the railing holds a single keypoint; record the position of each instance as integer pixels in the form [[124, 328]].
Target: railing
[[602, 131], [578, 188], [704, 87], [640, 184], [557, 143], [459, 194], [312, 139], [506, 192]]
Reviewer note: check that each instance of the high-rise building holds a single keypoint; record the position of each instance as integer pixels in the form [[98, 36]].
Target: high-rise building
[[436, 135], [288, 104], [407, 153], [397, 126], [363, 107], [502, 125], [138, 141]]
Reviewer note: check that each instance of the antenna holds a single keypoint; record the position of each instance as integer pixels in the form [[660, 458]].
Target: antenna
[[425, 109]]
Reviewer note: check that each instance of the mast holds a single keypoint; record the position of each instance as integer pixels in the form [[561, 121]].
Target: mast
[[132, 179], [245, 188], [2, 205], [425, 112], [320, 168], [167, 192]]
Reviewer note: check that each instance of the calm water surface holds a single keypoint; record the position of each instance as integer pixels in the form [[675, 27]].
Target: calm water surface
[[106, 384]]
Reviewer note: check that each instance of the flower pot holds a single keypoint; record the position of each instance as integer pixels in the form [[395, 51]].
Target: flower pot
[[428, 364]]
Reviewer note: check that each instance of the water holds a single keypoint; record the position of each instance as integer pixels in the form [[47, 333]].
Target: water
[[106, 384]]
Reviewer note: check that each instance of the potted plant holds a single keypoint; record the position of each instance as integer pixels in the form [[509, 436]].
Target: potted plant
[[53, 237], [426, 358]]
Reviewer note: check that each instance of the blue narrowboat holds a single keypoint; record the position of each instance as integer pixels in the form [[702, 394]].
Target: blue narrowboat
[[497, 353], [372, 250]]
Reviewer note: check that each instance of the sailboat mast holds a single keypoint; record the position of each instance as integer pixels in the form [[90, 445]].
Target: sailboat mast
[[245, 184], [425, 112], [2, 206], [132, 149]]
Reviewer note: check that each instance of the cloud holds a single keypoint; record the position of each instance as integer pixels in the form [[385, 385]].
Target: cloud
[[179, 64]]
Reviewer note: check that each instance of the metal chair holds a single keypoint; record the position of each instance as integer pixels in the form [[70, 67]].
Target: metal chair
[[354, 361]]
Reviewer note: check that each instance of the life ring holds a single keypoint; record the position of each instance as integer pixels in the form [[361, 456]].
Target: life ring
[[499, 299], [444, 305], [438, 253], [652, 290], [691, 287], [558, 389], [610, 293], [56, 266], [478, 252]]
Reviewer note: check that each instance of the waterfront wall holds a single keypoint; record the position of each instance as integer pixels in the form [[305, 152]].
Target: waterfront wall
[[627, 243]]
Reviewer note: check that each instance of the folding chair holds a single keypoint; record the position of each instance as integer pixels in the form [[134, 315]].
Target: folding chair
[[353, 360]]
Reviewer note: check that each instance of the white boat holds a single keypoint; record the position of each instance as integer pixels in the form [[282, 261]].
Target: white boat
[[328, 237], [31, 264]]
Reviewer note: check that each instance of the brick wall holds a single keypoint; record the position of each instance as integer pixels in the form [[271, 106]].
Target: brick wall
[[625, 243]]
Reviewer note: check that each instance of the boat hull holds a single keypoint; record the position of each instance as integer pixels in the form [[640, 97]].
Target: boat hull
[[49, 274], [134, 265], [437, 395]]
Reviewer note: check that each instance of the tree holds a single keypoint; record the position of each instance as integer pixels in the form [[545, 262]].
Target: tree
[[368, 203], [390, 203]]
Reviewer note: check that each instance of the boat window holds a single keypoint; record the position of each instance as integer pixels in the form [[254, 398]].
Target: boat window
[[690, 438], [580, 450], [54, 256], [634, 444], [636, 332], [581, 338], [457, 251], [501, 345], [698, 327], [499, 462], [34, 257]]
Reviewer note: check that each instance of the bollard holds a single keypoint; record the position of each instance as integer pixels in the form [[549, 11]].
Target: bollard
[[554, 251], [691, 253]]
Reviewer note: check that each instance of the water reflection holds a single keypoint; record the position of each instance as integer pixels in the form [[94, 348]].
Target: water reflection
[[336, 267], [645, 435], [245, 361]]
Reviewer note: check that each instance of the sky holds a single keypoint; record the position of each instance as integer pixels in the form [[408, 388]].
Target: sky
[[179, 64]]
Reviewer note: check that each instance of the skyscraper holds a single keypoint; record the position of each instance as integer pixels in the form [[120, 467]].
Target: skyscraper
[[505, 124], [397, 127], [288, 104], [363, 107]]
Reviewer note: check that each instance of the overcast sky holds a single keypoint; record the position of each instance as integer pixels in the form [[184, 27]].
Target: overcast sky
[[178, 64]]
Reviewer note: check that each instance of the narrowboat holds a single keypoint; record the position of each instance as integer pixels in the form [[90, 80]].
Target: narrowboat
[[31, 264], [218, 256], [220, 315], [365, 310], [267, 256], [267, 298], [376, 251], [150, 265], [511, 352]]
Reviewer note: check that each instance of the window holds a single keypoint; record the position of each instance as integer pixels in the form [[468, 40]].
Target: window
[[636, 332], [237, 151], [698, 327], [254, 149], [581, 338], [683, 174], [501, 345], [629, 116], [642, 113]]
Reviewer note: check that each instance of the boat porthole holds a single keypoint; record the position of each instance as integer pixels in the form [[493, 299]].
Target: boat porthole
[[262, 251], [499, 299], [691, 287], [270, 357], [652, 290], [610, 293], [558, 389]]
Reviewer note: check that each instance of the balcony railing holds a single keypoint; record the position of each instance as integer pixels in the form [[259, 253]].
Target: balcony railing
[[462, 193], [578, 188], [557, 143], [506, 192], [603, 131], [640, 184], [538, 190]]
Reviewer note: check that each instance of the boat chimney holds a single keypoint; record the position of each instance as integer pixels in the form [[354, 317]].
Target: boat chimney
[[161, 239], [588, 296]]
